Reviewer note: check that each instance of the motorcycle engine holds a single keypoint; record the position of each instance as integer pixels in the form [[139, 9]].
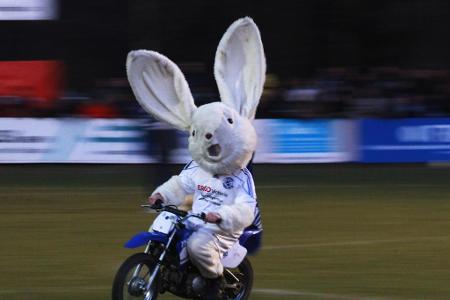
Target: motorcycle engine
[[187, 283], [198, 285]]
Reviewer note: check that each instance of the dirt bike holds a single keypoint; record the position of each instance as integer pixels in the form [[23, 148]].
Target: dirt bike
[[164, 265]]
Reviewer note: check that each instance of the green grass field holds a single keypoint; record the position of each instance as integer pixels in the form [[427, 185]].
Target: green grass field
[[331, 231]]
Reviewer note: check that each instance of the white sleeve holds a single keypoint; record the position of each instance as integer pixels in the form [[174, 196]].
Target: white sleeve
[[186, 179], [178, 187], [240, 215]]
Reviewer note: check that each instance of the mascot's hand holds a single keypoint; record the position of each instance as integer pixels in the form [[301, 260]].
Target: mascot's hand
[[156, 199], [213, 217]]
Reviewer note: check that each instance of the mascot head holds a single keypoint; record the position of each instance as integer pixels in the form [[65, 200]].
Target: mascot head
[[222, 138]]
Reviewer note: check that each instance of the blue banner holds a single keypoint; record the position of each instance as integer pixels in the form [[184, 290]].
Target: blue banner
[[301, 141], [405, 140], [293, 136]]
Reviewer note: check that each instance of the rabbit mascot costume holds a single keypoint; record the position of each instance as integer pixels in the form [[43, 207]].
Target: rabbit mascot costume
[[221, 139]]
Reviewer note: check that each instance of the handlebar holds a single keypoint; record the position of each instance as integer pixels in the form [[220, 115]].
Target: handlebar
[[175, 211], [172, 209]]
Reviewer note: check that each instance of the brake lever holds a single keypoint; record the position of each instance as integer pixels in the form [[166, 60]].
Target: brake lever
[[151, 208]]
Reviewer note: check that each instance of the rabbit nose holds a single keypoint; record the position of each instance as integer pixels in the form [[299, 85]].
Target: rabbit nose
[[208, 136]]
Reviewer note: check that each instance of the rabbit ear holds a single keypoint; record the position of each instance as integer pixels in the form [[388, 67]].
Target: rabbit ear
[[240, 67], [160, 87]]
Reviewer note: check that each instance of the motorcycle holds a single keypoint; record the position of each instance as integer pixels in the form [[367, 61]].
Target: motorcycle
[[164, 265]]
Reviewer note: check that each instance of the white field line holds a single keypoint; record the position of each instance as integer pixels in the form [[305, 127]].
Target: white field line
[[258, 186], [327, 296], [32, 191], [54, 289], [273, 292], [62, 189], [356, 243], [293, 186]]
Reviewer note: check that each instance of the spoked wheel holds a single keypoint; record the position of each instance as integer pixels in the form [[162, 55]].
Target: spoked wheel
[[239, 281], [132, 278]]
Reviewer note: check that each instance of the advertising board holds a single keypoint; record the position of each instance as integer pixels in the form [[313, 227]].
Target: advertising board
[[14, 10], [75, 140], [28, 140], [300, 141], [405, 140]]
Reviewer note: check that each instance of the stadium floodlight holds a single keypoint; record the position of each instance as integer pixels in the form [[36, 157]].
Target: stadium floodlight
[[28, 10]]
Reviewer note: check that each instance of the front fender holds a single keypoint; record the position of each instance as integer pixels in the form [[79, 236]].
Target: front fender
[[251, 240], [143, 238]]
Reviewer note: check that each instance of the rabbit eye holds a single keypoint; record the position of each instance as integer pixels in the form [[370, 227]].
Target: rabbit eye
[[230, 120], [193, 133]]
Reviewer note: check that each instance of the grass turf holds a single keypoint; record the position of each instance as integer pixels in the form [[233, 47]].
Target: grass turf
[[331, 231]]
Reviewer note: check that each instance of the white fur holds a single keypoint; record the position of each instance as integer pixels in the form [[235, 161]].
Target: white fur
[[160, 87], [235, 217], [172, 191], [240, 67], [237, 140]]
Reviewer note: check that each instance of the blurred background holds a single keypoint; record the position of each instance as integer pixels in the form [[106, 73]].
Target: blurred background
[[362, 87], [359, 80]]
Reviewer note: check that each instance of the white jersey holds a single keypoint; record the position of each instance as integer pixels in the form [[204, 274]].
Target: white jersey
[[211, 192]]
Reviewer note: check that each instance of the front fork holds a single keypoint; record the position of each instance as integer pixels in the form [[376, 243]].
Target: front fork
[[139, 267], [148, 291]]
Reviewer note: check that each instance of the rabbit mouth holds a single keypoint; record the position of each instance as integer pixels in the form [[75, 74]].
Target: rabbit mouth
[[214, 150]]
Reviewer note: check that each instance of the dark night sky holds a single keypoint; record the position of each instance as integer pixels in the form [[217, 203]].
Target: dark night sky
[[93, 37]]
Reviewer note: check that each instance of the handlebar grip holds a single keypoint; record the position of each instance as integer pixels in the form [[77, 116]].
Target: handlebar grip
[[175, 211], [157, 205]]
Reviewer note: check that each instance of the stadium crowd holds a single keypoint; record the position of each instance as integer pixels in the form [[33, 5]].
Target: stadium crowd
[[331, 93]]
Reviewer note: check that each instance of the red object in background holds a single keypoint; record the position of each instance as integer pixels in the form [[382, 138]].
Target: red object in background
[[38, 80], [98, 110]]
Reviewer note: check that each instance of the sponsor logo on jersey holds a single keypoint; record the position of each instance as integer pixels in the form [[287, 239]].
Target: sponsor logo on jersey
[[228, 183], [208, 189], [204, 188]]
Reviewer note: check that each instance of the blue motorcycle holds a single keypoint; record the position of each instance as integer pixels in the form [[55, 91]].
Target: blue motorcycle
[[164, 265]]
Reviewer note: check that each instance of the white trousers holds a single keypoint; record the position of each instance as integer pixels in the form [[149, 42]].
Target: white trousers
[[206, 247]]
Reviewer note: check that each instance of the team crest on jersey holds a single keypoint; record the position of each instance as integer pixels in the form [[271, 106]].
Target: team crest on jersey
[[228, 183]]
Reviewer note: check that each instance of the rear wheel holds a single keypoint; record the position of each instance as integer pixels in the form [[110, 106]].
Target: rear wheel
[[239, 281], [132, 278]]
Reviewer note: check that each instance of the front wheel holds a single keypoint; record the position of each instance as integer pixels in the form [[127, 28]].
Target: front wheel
[[239, 281], [132, 278]]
